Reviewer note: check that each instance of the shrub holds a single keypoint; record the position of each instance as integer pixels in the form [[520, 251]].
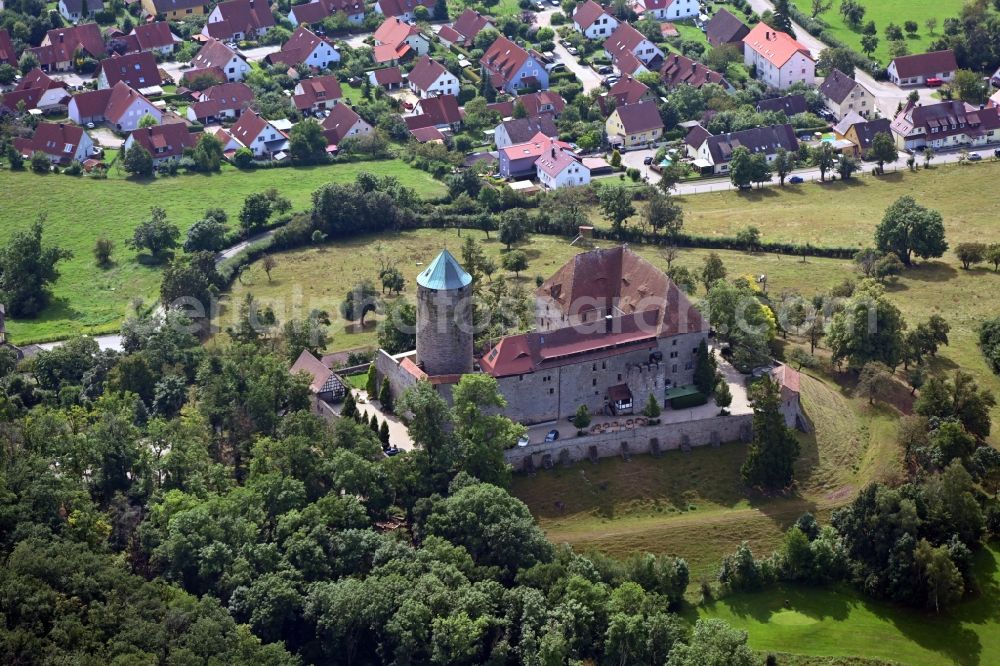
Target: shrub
[[685, 401]]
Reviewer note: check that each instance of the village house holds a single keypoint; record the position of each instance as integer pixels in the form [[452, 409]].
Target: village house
[[518, 160], [139, 70], [36, 90], [914, 70], [62, 143], [75, 11], [667, 10], [541, 103], [561, 167], [724, 29], [8, 56], [628, 90], [315, 12], [842, 95], [777, 58], [628, 64], [522, 130], [317, 94], [429, 78], [343, 122], [512, 68], [155, 37], [593, 21], [174, 10], [680, 70], [164, 143], [611, 329], [403, 9], [215, 54], [790, 105], [396, 40], [325, 385], [224, 101], [951, 124], [441, 112], [259, 135], [634, 125], [861, 132], [712, 153], [307, 48], [387, 78], [60, 46], [465, 28], [237, 20], [119, 107], [626, 40]]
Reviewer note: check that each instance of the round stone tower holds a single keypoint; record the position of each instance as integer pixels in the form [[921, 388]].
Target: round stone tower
[[444, 317]]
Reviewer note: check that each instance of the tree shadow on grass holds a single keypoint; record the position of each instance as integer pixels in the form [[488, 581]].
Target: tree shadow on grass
[[931, 271], [757, 195]]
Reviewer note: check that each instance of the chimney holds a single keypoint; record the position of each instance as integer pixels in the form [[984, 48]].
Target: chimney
[[553, 152], [608, 323]]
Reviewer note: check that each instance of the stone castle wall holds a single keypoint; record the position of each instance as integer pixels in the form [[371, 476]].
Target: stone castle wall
[[648, 439]]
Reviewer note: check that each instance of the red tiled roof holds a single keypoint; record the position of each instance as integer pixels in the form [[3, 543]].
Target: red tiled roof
[[400, 7], [426, 72], [394, 31], [442, 110], [214, 100], [58, 139], [623, 40], [425, 134], [640, 117], [503, 58], [153, 35], [926, 64], [314, 12], [298, 48], [336, 125], [776, 47], [246, 16], [317, 89], [122, 96], [36, 78], [388, 76], [60, 44], [505, 109], [163, 141], [139, 70], [469, 24], [628, 90], [554, 161], [164, 6], [586, 13], [248, 127], [787, 378], [677, 69], [213, 54], [543, 101], [534, 148]]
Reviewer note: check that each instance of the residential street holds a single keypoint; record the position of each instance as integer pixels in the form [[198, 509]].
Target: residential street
[[586, 75]]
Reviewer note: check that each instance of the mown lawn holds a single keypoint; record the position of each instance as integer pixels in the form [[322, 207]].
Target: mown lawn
[[500, 9], [840, 622], [78, 211], [884, 12]]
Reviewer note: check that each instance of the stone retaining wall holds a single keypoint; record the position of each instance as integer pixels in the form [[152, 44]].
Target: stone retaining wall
[[647, 439]]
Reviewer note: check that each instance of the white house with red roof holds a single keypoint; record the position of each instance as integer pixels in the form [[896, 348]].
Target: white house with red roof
[[62, 143], [37, 91], [164, 143], [396, 40], [429, 78], [465, 28], [519, 160], [512, 68], [139, 70], [237, 20], [61, 45], [667, 10], [594, 21], [403, 9], [344, 122], [75, 11], [120, 107], [441, 111], [215, 54], [259, 134], [317, 94], [315, 12], [561, 167], [224, 101], [307, 48], [155, 36], [778, 58], [627, 41]]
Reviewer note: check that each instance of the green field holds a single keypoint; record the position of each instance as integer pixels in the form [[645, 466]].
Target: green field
[[88, 299], [884, 12], [840, 622], [500, 9]]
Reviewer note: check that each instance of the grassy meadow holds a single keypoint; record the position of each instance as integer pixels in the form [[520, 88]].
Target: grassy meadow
[[884, 12], [87, 299]]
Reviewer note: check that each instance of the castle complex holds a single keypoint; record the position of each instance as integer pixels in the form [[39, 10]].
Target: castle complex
[[610, 330]]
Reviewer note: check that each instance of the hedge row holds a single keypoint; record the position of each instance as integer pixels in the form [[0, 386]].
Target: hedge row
[[726, 243], [685, 401]]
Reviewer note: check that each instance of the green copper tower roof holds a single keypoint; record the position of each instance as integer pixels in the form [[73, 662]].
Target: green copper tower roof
[[444, 273]]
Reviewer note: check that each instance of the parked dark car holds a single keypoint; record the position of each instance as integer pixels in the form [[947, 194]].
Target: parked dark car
[[795, 180], [975, 157], [605, 70], [647, 160], [552, 435], [996, 153]]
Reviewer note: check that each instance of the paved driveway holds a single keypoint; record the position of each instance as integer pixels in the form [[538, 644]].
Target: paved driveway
[[585, 75]]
